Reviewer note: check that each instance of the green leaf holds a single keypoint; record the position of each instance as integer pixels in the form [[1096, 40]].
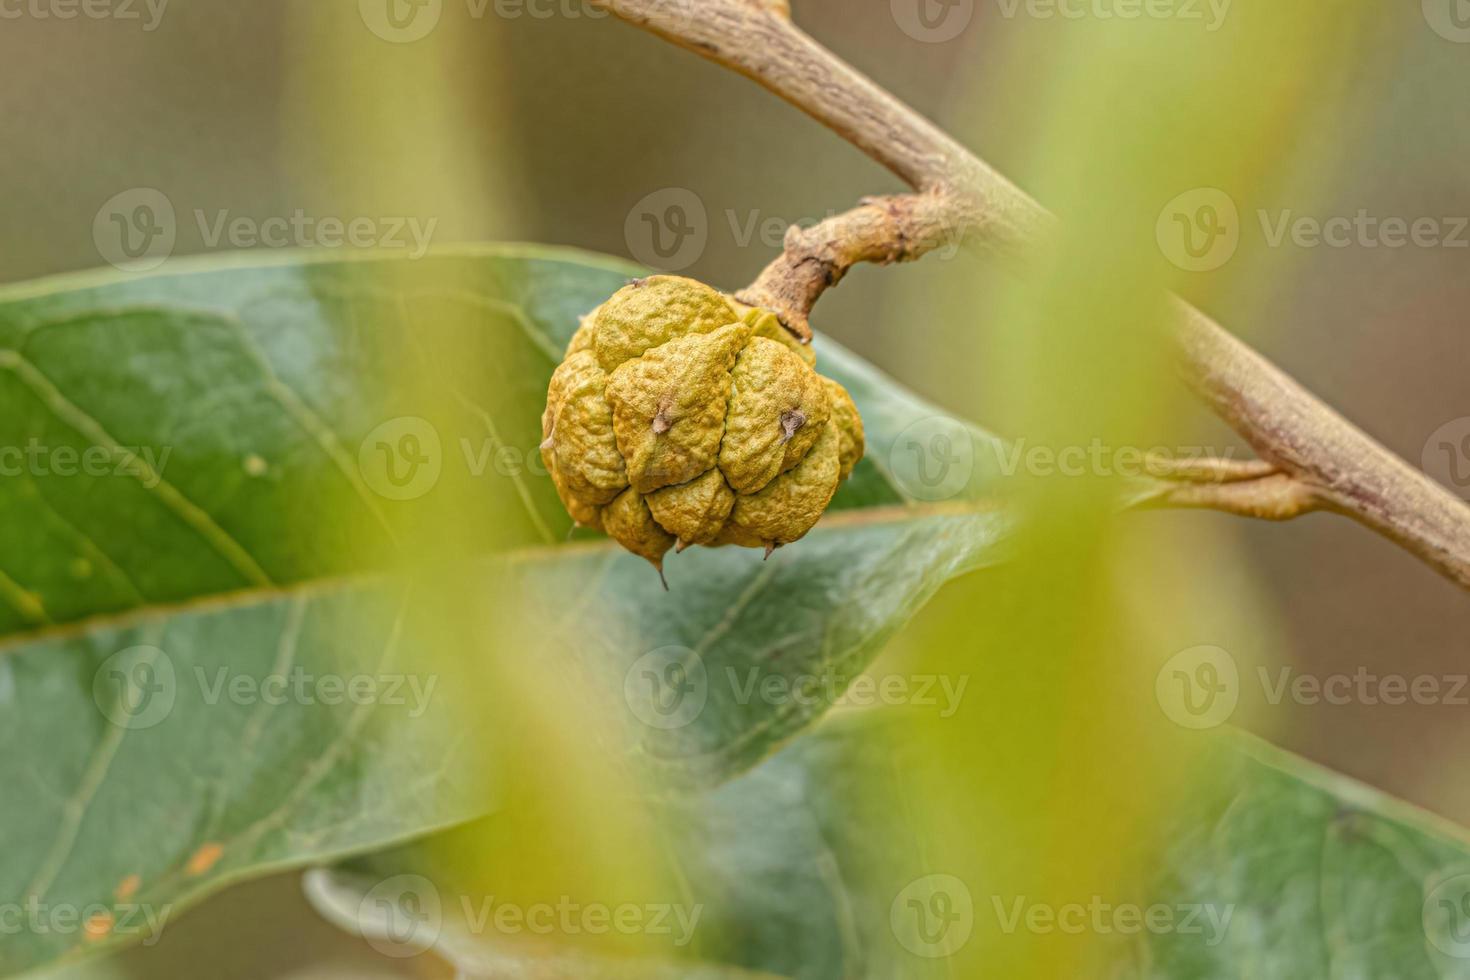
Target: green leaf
[[188, 789], [226, 411], [746, 654], [238, 522], [257, 498], [1278, 870], [121, 814]]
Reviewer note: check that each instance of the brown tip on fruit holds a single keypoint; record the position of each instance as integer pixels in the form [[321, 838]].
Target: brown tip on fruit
[[546, 443], [661, 423], [790, 422], [770, 547], [637, 283], [660, 566], [680, 545]]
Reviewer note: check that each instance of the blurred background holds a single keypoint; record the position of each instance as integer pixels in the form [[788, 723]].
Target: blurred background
[[545, 121]]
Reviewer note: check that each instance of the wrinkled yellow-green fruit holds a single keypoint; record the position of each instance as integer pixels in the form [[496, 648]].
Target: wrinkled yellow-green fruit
[[682, 417]]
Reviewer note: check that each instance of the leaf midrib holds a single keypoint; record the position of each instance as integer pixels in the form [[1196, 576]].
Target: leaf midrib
[[326, 585]]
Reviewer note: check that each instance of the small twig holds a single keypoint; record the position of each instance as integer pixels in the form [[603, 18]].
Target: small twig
[[881, 230], [1209, 470], [1318, 459], [1277, 497], [1250, 488]]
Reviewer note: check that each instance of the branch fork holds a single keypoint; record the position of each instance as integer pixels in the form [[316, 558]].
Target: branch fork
[[1311, 458], [882, 230]]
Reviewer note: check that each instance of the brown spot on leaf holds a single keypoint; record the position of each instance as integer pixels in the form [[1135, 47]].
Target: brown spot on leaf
[[205, 858], [97, 927]]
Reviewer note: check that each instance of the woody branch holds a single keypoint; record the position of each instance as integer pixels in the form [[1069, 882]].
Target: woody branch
[[1311, 458]]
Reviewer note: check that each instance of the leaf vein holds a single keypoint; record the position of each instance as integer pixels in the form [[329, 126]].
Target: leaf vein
[[149, 479]]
